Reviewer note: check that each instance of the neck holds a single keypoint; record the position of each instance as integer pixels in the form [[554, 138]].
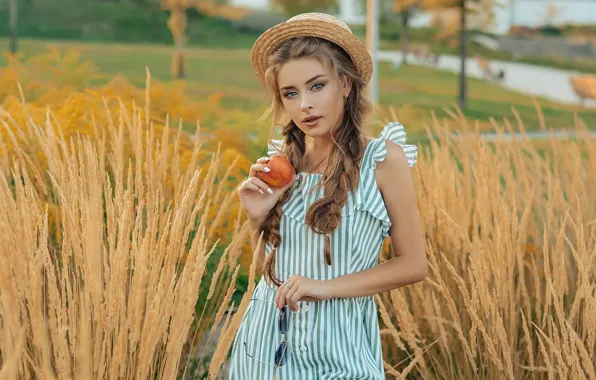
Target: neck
[[322, 147], [317, 156]]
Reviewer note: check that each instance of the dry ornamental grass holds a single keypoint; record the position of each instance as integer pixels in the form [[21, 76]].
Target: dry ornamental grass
[[103, 258], [114, 296], [511, 242]]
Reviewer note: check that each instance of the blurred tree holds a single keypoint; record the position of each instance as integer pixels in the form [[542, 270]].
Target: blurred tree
[[406, 8], [456, 17], [294, 7], [450, 16], [178, 22], [450, 20]]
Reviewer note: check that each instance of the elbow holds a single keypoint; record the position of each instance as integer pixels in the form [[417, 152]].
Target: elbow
[[421, 272]]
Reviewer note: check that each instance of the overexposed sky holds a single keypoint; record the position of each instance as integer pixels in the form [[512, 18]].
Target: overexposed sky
[[534, 13], [525, 12]]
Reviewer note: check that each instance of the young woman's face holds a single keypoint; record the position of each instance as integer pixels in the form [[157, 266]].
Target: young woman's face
[[312, 95]]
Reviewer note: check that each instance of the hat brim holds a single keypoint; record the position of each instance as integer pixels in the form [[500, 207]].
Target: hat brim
[[269, 41]]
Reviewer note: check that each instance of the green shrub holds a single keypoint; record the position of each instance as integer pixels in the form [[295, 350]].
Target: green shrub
[[116, 21], [257, 22]]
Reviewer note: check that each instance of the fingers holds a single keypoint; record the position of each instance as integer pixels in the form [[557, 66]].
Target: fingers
[[260, 184], [255, 184], [279, 296], [261, 165], [292, 299], [288, 296], [254, 168], [251, 186]]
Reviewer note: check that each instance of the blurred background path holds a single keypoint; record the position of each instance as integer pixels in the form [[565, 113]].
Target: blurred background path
[[547, 82]]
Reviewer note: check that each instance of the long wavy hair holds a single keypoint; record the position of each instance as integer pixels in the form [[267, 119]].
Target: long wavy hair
[[343, 170]]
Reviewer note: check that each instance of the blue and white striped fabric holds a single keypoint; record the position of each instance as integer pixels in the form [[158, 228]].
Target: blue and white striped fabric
[[336, 338]]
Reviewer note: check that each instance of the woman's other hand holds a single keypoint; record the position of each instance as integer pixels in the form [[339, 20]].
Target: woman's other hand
[[301, 289]]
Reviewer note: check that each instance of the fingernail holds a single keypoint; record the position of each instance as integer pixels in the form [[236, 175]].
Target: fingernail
[[269, 190], [261, 191], [266, 169]]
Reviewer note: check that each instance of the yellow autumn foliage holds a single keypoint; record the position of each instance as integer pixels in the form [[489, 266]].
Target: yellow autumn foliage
[[55, 90]]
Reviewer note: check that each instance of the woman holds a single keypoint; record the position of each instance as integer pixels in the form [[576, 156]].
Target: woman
[[312, 315]]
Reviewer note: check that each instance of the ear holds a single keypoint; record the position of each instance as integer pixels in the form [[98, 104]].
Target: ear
[[346, 85]]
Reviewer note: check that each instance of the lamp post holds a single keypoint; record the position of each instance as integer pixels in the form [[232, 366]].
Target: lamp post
[[13, 7], [372, 41], [463, 54]]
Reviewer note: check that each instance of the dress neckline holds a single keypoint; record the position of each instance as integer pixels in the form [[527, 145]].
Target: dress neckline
[[320, 174]]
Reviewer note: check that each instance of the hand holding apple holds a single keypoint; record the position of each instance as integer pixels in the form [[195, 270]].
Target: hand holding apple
[[280, 172], [259, 197]]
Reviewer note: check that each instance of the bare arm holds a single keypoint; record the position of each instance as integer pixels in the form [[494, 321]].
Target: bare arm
[[258, 199], [254, 234], [409, 264]]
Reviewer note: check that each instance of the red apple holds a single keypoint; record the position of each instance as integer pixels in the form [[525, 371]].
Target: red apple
[[281, 172]]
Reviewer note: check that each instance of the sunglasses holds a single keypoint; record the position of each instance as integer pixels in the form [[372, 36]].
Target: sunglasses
[[281, 353]]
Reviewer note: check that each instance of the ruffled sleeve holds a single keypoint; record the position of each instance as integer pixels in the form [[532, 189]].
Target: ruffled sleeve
[[394, 132], [368, 196]]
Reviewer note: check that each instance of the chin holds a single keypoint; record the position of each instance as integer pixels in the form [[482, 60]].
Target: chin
[[318, 130], [317, 133]]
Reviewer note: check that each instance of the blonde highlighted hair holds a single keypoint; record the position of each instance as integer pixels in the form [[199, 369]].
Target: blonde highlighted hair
[[343, 169]]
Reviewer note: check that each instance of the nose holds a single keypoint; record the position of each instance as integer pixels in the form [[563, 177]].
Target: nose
[[305, 103]]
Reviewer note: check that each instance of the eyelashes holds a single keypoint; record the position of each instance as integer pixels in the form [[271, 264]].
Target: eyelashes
[[316, 86]]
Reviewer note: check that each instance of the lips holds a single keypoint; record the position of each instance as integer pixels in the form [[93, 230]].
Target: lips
[[311, 120]]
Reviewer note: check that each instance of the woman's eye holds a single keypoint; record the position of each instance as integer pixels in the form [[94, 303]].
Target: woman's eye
[[290, 94]]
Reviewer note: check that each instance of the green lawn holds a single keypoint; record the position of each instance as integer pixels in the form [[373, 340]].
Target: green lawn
[[412, 90]]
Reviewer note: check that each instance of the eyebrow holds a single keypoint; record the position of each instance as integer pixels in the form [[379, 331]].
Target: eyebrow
[[307, 82]]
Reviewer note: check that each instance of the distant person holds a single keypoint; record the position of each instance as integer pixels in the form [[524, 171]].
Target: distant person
[[487, 70], [424, 54], [312, 314]]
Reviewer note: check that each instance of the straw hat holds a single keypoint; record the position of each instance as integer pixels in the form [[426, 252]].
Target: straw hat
[[314, 25]]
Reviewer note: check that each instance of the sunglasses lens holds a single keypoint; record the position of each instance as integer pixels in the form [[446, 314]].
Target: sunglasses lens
[[281, 354], [283, 320]]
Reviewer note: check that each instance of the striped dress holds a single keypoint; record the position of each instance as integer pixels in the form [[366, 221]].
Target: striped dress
[[332, 339]]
